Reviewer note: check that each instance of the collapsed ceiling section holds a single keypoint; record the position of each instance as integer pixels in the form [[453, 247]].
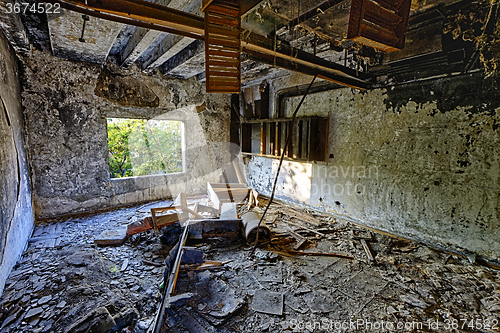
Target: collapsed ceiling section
[[344, 41]]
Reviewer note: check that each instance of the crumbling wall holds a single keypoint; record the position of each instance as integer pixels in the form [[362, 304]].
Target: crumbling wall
[[419, 160], [66, 106], [16, 214]]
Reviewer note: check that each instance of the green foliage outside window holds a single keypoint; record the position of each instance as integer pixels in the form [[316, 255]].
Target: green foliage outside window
[[140, 147]]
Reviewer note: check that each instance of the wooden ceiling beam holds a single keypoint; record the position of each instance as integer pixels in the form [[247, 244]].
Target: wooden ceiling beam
[[146, 14]]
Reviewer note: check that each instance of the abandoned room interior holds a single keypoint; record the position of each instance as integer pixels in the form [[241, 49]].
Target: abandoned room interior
[[249, 166]]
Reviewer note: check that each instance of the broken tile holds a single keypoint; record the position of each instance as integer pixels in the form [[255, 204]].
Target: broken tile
[[320, 301], [33, 312], [269, 302], [44, 300]]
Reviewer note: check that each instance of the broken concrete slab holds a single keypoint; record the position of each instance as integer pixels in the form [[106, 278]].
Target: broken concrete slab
[[269, 302], [112, 237]]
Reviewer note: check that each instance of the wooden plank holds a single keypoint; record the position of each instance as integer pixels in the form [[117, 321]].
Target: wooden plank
[[225, 42], [381, 16], [221, 20], [228, 211], [379, 34], [165, 220], [356, 18], [320, 254], [393, 5], [367, 250], [224, 89], [239, 175], [225, 10], [207, 209], [179, 203], [404, 13], [225, 31], [223, 62], [214, 73], [213, 196], [224, 53], [223, 81]]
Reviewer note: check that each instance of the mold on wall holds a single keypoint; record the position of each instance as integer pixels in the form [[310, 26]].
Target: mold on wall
[[66, 106], [16, 214], [419, 160]]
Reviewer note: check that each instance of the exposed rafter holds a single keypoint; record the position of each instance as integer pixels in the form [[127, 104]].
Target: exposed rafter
[[146, 14]]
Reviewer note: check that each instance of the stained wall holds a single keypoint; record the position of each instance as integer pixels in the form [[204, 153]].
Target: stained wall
[[419, 160]]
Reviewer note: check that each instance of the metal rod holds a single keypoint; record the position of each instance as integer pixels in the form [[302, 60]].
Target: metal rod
[[279, 166], [85, 19]]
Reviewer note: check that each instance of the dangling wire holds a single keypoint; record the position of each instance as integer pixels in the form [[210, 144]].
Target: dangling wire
[[281, 162]]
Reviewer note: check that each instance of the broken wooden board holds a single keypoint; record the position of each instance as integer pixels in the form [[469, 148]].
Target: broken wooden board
[[180, 204], [230, 192], [139, 226], [199, 208], [301, 216], [164, 220], [112, 237]]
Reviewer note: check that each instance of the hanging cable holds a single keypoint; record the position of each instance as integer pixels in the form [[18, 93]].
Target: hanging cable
[[281, 162]]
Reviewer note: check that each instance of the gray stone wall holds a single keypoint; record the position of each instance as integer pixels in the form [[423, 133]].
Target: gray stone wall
[[419, 160], [66, 105], [16, 214]]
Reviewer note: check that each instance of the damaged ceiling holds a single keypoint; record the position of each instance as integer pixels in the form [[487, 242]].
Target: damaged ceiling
[[443, 37]]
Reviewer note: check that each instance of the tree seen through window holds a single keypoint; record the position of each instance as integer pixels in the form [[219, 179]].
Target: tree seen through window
[[139, 147]]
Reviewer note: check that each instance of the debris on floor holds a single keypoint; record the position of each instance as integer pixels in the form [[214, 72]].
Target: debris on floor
[[197, 275]]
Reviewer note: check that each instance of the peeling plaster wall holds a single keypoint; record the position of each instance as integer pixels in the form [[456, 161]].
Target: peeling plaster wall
[[66, 106], [419, 160], [16, 213]]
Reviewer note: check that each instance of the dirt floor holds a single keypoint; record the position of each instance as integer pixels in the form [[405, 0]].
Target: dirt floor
[[66, 283]]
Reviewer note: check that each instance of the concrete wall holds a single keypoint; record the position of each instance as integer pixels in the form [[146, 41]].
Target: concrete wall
[[419, 160], [66, 106], [16, 214]]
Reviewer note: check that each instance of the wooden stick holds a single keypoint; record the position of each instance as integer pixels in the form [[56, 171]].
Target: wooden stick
[[367, 250], [301, 216], [320, 254], [306, 228], [147, 262]]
